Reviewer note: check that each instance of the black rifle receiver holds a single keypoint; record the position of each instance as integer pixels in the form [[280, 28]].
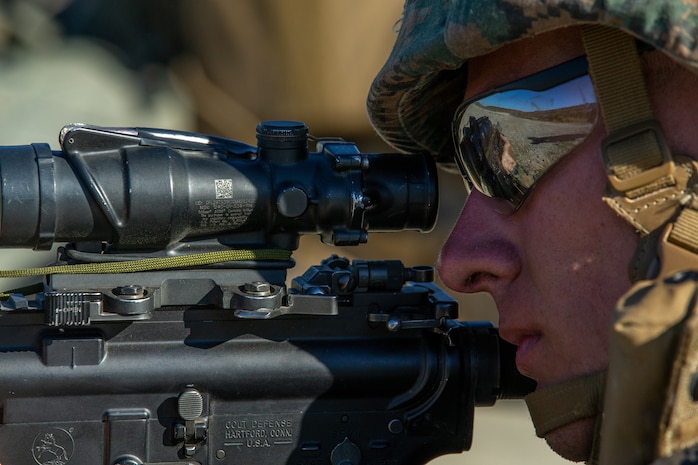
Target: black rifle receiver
[[356, 362]]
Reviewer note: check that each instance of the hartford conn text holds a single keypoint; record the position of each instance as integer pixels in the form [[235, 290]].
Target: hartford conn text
[[248, 429]]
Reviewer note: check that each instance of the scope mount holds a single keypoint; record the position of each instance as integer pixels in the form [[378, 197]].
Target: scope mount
[[391, 292]]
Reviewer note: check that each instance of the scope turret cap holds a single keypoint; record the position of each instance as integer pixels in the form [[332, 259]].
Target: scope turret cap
[[416, 93]]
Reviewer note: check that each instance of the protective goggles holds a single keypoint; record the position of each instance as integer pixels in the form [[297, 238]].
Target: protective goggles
[[508, 138]]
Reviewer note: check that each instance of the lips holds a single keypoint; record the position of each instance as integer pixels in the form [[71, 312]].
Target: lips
[[524, 355], [518, 329]]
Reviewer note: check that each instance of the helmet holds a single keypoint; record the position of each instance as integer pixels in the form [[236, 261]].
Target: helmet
[[414, 97], [416, 93]]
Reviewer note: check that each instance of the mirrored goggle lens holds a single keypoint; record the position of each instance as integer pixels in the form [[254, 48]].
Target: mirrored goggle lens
[[507, 139]]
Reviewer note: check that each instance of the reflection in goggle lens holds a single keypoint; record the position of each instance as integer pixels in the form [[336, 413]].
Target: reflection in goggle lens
[[509, 138]]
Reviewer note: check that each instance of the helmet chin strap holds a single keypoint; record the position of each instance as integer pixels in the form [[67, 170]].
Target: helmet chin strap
[[656, 193], [564, 403]]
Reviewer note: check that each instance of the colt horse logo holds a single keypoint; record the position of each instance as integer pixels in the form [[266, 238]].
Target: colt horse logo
[[53, 447]]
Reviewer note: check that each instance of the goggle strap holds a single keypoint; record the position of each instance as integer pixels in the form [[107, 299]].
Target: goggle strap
[[635, 152], [618, 79]]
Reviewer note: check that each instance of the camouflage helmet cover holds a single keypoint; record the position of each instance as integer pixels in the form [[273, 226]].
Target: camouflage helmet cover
[[415, 95]]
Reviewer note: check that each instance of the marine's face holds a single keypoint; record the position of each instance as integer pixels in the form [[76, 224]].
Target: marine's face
[[555, 267]]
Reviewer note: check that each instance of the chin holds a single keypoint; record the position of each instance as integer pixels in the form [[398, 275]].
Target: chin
[[573, 441]]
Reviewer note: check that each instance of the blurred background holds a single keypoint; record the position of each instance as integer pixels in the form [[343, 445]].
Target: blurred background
[[220, 67]]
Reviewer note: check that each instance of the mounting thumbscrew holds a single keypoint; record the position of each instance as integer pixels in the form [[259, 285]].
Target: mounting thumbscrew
[[134, 291]]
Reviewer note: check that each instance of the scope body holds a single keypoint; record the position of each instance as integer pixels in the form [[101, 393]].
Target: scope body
[[147, 189]]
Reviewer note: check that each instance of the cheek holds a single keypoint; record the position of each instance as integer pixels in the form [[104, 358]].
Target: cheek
[[571, 211], [582, 249], [588, 240]]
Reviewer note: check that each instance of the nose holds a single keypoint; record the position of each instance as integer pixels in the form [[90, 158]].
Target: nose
[[481, 253]]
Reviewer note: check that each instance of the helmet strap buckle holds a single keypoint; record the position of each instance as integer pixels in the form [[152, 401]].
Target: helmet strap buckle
[[647, 185]]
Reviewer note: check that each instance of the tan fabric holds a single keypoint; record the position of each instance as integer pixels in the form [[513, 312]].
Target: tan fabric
[[679, 425], [682, 457], [647, 325], [565, 403], [650, 211], [618, 79]]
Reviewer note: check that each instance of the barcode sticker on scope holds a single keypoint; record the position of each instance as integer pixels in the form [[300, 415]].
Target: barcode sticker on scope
[[224, 188]]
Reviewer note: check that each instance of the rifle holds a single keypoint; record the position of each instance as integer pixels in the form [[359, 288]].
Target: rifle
[[165, 334]]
